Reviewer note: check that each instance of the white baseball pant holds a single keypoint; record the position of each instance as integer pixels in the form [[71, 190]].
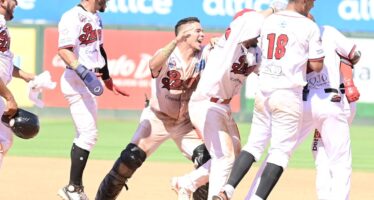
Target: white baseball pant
[[83, 109]]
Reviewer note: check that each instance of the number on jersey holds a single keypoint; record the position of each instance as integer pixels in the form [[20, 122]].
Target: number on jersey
[[277, 45]]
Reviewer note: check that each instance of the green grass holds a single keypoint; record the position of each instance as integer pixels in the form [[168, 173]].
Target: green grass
[[55, 139]]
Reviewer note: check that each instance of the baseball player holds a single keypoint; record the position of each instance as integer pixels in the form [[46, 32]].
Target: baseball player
[[326, 109], [175, 70], [234, 57], [287, 50], [193, 179], [81, 48], [7, 71]]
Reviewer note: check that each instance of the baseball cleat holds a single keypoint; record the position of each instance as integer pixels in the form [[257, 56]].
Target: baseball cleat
[[183, 194], [90, 80], [71, 192], [220, 196]]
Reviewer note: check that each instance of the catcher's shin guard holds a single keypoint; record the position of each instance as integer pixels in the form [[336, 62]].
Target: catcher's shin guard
[[131, 159]]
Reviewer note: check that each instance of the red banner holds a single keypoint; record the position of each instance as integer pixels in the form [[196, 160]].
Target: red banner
[[128, 53]]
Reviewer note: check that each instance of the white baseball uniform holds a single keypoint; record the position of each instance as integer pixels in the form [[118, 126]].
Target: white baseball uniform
[[277, 114], [228, 66], [167, 114], [332, 153], [82, 30], [6, 70]]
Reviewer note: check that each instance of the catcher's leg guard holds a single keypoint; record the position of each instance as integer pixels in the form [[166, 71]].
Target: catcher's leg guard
[[131, 159], [199, 157]]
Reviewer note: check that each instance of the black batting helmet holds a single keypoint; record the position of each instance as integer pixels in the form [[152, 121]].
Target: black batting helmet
[[24, 124]]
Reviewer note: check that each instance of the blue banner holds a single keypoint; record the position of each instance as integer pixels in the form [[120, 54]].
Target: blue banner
[[346, 15]]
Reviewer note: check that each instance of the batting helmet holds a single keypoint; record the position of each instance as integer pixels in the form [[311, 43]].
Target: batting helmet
[[24, 124]]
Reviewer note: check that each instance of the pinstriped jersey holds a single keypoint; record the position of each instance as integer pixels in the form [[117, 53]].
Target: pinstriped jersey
[[82, 30], [333, 43], [173, 87], [6, 56], [288, 41]]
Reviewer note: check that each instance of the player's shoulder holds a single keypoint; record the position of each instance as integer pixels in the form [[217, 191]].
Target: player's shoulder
[[73, 13]]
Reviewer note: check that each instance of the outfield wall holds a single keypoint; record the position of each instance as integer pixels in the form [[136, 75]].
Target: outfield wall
[[128, 49]]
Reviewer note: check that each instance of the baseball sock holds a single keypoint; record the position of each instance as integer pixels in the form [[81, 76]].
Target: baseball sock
[[269, 178], [79, 158], [240, 168]]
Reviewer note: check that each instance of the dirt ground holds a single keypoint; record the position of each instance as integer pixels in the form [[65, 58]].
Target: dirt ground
[[40, 178]]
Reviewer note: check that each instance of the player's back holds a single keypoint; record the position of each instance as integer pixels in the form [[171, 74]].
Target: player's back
[[286, 39]]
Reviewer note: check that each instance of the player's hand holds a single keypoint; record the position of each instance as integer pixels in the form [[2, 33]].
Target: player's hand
[[351, 91], [184, 34], [109, 84], [278, 5], [11, 107]]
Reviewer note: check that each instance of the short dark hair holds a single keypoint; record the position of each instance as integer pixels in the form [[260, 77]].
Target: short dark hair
[[186, 20]]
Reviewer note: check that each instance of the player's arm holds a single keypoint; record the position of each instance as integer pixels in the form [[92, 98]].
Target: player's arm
[[11, 105], [160, 58], [346, 69], [108, 81], [68, 56], [18, 73]]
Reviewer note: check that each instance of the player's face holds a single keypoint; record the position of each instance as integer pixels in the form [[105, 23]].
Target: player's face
[[197, 35], [101, 4], [9, 6]]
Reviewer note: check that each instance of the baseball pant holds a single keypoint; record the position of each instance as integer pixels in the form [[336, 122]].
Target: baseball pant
[[6, 135], [83, 109], [221, 137], [277, 118]]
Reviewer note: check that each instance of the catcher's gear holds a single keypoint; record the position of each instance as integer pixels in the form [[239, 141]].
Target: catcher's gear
[[24, 124], [130, 160], [90, 80]]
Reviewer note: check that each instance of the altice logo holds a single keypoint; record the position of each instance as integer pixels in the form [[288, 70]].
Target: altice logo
[[356, 10]]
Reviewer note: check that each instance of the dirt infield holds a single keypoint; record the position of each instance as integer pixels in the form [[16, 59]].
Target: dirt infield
[[40, 178]]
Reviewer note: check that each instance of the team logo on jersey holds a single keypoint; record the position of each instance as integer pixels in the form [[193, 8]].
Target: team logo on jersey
[[89, 34], [172, 81], [4, 41], [241, 67]]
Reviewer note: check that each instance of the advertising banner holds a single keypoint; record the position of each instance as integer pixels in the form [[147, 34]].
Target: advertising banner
[[128, 54], [23, 46], [346, 15]]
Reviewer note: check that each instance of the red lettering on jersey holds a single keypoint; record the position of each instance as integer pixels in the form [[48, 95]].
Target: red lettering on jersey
[[4, 41], [172, 81], [280, 48], [242, 67], [89, 34]]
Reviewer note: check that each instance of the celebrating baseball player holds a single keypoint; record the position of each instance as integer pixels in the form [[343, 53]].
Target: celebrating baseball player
[[81, 48], [326, 109], [175, 70], [234, 57], [277, 116], [7, 71]]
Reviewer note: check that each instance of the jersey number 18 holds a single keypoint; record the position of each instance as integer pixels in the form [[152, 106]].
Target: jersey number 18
[[277, 49]]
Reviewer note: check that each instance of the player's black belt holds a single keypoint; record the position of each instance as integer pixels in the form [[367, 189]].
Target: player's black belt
[[331, 90]]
